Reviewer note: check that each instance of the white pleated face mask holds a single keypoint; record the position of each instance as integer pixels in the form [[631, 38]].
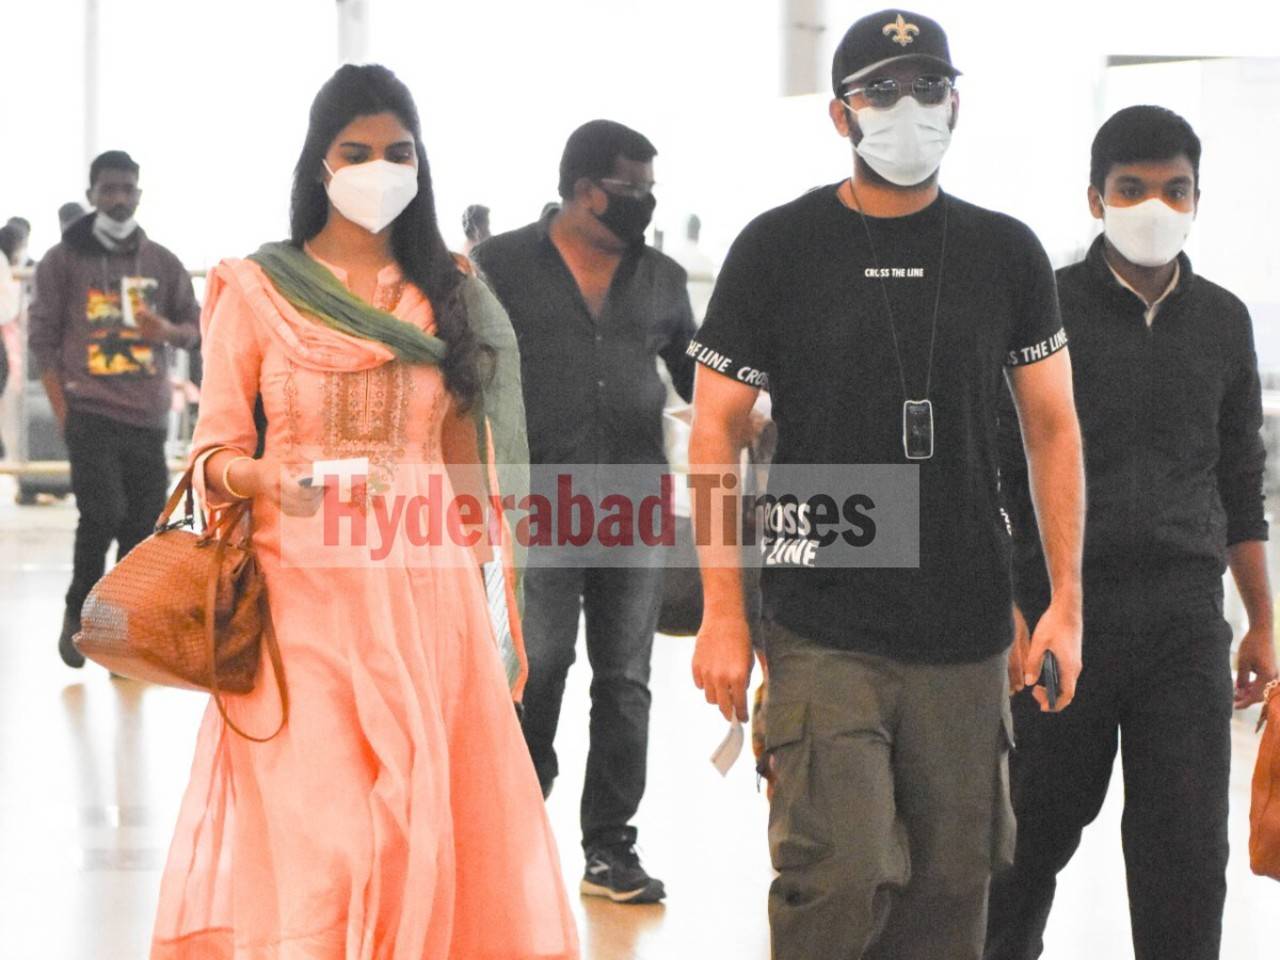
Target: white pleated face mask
[[905, 143], [115, 229], [373, 193], [1150, 233]]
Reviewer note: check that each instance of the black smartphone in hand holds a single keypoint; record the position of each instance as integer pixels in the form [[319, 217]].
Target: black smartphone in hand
[[1049, 679]]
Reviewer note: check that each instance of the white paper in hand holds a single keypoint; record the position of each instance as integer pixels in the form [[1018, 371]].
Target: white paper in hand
[[729, 750]]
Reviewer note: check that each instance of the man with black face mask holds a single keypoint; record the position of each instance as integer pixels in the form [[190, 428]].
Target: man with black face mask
[[884, 313], [593, 308]]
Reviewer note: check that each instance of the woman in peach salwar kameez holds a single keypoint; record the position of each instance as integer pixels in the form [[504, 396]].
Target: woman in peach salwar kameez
[[397, 815]]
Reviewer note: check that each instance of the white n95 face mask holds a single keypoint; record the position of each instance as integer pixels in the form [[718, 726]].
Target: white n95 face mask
[[373, 193], [1150, 233], [905, 143]]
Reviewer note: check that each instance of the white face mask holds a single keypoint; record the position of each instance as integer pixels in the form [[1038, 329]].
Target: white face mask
[[374, 193], [115, 229], [1150, 233], [905, 143]]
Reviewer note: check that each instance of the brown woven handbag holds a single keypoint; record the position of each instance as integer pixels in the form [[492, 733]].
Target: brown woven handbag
[[186, 610], [1264, 814]]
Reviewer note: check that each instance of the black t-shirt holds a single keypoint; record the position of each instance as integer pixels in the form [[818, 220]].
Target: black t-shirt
[[799, 302]]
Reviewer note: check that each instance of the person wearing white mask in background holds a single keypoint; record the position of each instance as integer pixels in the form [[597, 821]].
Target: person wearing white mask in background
[[106, 370], [1170, 408], [885, 314]]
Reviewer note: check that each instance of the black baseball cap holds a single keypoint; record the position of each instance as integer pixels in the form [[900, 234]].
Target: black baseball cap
[[886, 36]]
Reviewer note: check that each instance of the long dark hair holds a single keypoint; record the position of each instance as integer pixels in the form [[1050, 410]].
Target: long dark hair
[[360, 91]]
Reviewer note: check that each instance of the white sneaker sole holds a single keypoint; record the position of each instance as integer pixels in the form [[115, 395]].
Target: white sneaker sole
[[630, 896]]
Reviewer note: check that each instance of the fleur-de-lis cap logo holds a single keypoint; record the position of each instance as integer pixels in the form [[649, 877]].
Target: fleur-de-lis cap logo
[[904, 33]]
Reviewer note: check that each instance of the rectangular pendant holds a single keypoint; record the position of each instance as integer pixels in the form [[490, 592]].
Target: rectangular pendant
[[917, 429]]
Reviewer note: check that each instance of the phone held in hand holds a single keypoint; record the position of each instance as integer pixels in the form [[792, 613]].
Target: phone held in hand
[[1049, 679], [342, 472]]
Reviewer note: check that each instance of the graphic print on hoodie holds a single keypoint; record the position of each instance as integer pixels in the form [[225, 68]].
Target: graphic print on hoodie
[[114, 348]]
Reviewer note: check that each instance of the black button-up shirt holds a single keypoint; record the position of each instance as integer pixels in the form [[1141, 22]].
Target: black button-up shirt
[[1171, 416], [592, 391]]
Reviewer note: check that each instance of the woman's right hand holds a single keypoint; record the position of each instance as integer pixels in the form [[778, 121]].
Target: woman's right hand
[[269, 479], [279, 483]]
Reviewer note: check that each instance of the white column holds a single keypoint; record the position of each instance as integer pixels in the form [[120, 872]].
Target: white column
[[91, 75], [803, 23], [353, 30]]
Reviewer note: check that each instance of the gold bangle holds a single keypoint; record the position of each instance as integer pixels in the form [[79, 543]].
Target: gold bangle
[[226, 478]]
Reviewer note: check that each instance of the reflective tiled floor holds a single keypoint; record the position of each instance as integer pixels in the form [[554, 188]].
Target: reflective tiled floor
[[91, 770]]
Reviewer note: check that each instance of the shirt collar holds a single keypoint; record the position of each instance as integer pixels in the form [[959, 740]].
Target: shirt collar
[[1105, 274], [1151, 307]]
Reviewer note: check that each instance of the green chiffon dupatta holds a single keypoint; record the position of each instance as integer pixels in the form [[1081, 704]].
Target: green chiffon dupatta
[[498, 412]]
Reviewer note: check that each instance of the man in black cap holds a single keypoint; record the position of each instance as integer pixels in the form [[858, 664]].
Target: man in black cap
[[884, 313]]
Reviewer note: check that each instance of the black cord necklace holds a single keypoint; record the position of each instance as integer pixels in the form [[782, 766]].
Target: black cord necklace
[[917, 415]]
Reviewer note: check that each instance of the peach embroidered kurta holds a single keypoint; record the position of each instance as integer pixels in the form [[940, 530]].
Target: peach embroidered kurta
[[397, 816]]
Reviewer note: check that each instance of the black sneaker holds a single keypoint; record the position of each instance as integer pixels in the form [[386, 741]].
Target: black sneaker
[[66, 649], [615, 872]]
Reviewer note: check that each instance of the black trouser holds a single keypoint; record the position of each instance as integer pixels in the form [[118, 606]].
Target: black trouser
[[621, 606], [1157, 675], [120, 479]]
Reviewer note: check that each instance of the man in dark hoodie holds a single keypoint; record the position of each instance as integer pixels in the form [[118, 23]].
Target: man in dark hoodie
[[104, 364]]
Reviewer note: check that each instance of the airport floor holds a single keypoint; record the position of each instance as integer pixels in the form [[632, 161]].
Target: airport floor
[[92, 769]]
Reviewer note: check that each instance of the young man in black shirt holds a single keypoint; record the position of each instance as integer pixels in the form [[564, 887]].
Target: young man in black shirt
[[593, 309], [1170, 408], [884, 313]]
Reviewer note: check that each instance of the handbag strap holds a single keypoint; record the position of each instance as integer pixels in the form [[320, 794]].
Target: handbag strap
[[1272, 689], [184, 488], [222, 530]]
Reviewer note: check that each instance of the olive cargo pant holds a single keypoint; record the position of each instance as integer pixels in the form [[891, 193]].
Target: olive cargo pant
[[891, 806]]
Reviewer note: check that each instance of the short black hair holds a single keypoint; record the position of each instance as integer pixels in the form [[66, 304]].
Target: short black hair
[[1141, 133], [475, 222], [69, 213], [10, 241], [111, 160], [22, 223], [594, 148]]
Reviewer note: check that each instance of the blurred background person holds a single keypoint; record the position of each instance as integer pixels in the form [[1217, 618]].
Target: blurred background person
[[10, 303], [106, 371], [475, 226], [700, 267], [22, 228], [68, 214]]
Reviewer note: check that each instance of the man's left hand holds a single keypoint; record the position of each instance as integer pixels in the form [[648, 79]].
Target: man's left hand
[[1059, 630], [153, 327], [1255, 666]]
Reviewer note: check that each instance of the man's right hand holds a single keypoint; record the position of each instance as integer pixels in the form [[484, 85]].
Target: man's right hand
[[57, 399], [722, 664], [1018, 652]]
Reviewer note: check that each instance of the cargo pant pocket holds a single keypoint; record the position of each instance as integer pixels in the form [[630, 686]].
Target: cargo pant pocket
[[798, 832], [1004, 830]]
